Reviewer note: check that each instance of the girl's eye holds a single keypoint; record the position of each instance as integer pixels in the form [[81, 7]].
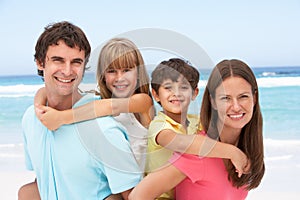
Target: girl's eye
[[110, 71], [126, 70]]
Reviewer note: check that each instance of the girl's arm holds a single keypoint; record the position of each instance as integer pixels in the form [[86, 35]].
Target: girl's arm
[[53, 119], [204, 146], [157, 183]]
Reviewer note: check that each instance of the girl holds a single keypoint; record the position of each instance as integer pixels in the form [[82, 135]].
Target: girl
[[230, 108]]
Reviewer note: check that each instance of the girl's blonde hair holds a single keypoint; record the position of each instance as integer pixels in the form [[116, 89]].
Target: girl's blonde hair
[[120, 53]]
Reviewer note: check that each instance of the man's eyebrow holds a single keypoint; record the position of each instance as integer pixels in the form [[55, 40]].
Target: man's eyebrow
[[56, 58], [77, 60]]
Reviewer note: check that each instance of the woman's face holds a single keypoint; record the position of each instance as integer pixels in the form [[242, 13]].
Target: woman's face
[[121, 82], [234, 103]]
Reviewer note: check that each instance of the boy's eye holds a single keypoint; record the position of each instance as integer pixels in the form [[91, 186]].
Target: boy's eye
[[185, 87], [168, 87]]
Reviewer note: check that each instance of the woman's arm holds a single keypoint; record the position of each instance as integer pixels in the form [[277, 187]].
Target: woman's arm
[[156, 183], [203, 146], [138, 103]]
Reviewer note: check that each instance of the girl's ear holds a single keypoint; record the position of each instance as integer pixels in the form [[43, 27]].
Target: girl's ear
[[155, 95], [195, 93], [213, 103]]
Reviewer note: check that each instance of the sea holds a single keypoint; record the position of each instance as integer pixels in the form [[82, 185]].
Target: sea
[[279, 89]]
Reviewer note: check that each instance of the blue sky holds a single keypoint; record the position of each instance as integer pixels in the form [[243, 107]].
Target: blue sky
[[260, 32]]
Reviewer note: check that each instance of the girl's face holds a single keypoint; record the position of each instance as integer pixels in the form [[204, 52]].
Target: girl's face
[[234, 103], [175, 97], [121, 82]]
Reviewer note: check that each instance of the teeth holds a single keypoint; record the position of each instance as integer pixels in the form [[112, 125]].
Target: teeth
[[120, 86], [236, 116], [64, 80]]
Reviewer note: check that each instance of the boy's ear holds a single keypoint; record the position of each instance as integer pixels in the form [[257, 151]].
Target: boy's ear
[[155, 95], [195, 93]]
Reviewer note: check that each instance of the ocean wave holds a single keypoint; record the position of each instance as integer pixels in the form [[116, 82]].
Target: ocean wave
[[22, 90], [278, 82], [267, 82]]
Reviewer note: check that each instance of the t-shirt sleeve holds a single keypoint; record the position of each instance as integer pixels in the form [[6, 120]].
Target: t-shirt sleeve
[[191, 165], [28, 163], [155, 127]]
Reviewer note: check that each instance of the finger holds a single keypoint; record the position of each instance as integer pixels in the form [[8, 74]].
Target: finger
[[239, 173]]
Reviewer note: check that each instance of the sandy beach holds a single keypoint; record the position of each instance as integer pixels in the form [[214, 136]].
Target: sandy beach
[[278, 183]]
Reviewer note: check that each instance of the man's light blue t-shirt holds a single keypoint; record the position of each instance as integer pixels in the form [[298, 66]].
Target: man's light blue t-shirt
[[87, 160]]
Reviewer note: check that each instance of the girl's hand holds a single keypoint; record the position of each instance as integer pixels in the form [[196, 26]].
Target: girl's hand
[[50, 117], [240, 162]]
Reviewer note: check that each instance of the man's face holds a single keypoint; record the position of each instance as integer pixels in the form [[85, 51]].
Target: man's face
[[63, 70]]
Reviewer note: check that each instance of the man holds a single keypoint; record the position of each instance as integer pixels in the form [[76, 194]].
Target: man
[[88, 160]]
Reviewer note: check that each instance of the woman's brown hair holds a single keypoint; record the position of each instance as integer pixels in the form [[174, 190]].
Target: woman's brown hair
[[251, 138]]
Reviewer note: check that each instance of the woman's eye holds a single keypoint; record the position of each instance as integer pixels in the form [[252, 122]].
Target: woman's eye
[[244, 96], [224, 98]]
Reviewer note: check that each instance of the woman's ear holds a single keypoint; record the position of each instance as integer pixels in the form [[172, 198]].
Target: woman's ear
[[213, 102], [195, 93], [155, 95], [255, 97]]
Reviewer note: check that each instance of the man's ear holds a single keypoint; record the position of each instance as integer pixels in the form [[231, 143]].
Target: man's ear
[[195, 93], [155, 95], [40, 65]]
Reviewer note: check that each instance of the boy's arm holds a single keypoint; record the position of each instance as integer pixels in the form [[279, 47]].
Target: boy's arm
[[203, 146]]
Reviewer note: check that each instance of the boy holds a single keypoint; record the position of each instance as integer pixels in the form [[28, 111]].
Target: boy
[[174, 85]]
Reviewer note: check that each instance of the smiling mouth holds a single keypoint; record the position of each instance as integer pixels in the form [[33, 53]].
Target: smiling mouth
[[64, 80], [238, 116], [175, 101], [120, 87]]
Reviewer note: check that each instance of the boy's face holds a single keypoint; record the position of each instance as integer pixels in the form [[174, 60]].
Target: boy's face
[[175, 97]]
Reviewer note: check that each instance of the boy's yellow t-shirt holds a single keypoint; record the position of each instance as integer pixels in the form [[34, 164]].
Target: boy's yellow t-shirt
[[157, 155]]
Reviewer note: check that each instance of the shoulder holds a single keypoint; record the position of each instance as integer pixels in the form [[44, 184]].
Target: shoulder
[[28, 115], [86, 98], [161, 121]]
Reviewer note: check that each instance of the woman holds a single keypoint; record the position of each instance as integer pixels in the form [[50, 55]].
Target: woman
[[230, 107]]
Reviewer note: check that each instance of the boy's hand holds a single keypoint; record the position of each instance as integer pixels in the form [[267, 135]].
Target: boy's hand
[[50, 117], [240, 162]]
